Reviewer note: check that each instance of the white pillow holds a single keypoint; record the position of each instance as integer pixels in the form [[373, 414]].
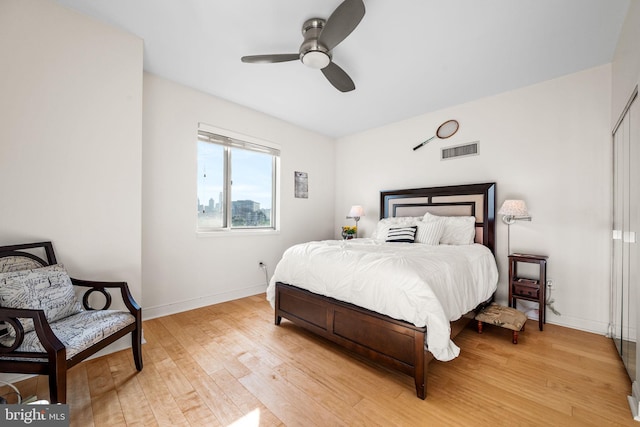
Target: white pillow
[[429, 233], [382, 229], [458, 230]]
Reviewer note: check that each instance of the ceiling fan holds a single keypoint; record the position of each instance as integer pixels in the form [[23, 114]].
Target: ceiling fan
[[320, 37]]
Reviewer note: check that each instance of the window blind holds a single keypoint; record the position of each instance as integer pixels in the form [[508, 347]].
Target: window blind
[[232, 142]]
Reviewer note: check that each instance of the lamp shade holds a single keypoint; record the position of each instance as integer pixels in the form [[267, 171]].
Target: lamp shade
[[514, 208], [356, 211]]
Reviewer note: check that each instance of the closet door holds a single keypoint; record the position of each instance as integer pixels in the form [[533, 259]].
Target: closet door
[[626, 222], [633, 136], [618, 264]]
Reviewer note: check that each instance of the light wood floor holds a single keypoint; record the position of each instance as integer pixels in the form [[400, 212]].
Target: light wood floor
[[229, 364]]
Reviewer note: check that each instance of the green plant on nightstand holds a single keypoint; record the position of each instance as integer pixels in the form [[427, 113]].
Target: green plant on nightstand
[[349, 232]]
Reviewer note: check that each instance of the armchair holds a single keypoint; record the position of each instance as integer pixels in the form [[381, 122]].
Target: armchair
[[43, 327]]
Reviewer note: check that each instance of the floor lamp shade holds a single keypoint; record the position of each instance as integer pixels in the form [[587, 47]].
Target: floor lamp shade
[[356, 212], [512, 211]]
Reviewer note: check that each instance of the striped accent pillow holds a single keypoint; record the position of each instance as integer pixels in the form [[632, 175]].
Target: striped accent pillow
[[402, 234]]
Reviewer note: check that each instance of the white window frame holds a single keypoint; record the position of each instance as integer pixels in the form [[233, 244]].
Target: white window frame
[[229, 139]]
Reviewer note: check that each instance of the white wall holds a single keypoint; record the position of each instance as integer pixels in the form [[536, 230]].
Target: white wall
[[70, 139], [182, 269], [548, 144], [626, 61]]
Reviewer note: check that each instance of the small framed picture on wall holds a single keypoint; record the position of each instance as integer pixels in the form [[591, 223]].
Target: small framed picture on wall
[[301, 183]]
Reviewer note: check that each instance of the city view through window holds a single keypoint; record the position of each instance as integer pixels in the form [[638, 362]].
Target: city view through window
[[250, 186]]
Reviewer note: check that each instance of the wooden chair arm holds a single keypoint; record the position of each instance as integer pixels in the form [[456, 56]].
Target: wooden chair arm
[[101, 287], [53, 346]]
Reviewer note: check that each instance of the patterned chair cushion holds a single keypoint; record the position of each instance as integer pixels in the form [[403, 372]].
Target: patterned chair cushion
[[47, 288], [506, 317], [79, 331], [17, 263]]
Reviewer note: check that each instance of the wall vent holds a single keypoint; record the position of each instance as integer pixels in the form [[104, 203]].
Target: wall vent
[[470, 149]]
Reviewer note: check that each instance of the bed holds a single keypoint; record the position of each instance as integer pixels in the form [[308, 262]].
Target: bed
[[377, 325]]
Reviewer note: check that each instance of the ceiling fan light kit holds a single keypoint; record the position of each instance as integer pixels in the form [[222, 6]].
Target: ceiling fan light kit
[[320, 37], [316, 59]]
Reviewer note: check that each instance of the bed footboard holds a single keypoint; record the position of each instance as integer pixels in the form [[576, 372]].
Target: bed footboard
[[392, 343]]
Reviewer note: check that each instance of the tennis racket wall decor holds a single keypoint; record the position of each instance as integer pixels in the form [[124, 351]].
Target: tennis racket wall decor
[[445, 130]]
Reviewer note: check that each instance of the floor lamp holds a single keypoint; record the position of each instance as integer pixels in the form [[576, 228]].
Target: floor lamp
[[356, 212], [512, 211]]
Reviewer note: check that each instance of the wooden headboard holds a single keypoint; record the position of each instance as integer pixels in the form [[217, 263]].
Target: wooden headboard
[[477, 200]]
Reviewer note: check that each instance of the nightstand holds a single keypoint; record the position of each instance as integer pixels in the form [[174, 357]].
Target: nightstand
[[529, 289]]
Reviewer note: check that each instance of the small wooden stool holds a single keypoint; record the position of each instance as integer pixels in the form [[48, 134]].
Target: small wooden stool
[[505, 317]]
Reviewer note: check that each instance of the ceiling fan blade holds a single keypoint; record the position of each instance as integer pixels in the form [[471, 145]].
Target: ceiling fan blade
[[338, 78], [269, 59], [341, 23]]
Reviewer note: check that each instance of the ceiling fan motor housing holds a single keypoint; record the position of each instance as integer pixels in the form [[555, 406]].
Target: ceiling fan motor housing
[[321, 36], [312, 53]]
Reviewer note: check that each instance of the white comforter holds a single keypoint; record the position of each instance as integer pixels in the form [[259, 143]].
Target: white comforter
[[422, 284]]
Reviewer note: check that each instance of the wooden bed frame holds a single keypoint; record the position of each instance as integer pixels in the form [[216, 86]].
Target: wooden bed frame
[[392, 343]]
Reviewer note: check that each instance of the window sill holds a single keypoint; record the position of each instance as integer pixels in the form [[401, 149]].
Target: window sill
[[238, 232]]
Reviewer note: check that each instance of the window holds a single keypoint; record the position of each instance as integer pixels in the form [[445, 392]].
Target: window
[[236, 183]]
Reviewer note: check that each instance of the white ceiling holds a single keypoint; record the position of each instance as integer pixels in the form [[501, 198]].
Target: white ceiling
[[407, 57]]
